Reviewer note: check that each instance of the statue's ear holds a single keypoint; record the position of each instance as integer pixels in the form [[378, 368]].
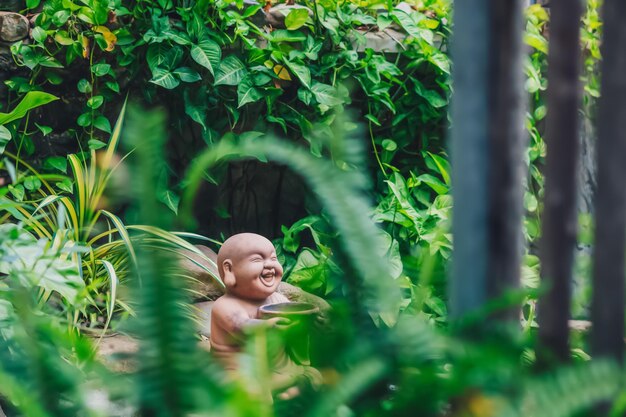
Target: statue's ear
[[229, 275]]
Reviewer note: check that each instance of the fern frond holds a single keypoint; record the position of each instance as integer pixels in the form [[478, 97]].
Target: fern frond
[[569, 390]]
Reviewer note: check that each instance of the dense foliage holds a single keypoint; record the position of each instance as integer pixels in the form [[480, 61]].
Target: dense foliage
[[364, 127]]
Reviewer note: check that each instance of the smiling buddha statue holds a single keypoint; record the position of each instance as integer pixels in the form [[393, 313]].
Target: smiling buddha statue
[[250, 270]]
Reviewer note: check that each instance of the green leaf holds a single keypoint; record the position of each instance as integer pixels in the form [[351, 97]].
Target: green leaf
[[32, 4], [84, 86], [63, 38], [96, 144], [95, 102], [434, 183], [5, 138], [207, 53], [389, 145], [56, 162], [282, 35], [326, 94], [406, 21], [17, 191], [113, 86], [60, 17], [164, 78], [45, 130], [65, 185], [443, 166], [432, 97], [296, 18], [246, 93], [101, 69], [39, 34], [302, 72], [170, 199], [156, 55], [230, 72], [383, 21], [186, 74], [102, 123], [32, 183], [30, 101], [84, 119]]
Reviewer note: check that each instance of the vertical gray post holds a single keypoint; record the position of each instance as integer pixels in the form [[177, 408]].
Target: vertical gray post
[[560, 217], [607, 309], [470, 155], [507, 138]]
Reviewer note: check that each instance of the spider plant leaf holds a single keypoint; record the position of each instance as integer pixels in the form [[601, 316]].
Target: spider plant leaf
[[114, 140], [81, 186], [122, 230], [113, 282]]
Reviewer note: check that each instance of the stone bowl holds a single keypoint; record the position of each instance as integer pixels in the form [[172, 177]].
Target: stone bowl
[[297, 334]]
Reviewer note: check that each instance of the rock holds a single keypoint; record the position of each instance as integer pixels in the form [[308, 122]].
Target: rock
[[12, 5], [202, 313], [203, 284], [13, 27]]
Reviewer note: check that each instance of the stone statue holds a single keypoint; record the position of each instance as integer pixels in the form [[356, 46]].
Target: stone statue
[[250, 270]]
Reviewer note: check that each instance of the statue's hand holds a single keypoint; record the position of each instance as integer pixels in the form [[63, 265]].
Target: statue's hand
[[281, 323]]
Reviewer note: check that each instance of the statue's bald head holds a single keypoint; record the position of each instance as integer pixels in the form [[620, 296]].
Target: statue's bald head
[[236, 245]]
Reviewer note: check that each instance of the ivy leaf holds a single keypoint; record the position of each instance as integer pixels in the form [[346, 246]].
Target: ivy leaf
[[282, 35], [109, 37], [246, 93], [101, 69], [56, 162], [45, 130], [5, 138], [96, 144], [230, 72], [60, 17], [432, 97], [170, 199], [383, 21], [63, 38], [102, 123], [207, 53], [326, 95], [84, 86], [17, 191], [164, 78], [186, 74], [95, 102], [296, 18], [65, 185], [113, 86], [39, 34], [302, 72], [441, 61], [32, 183]]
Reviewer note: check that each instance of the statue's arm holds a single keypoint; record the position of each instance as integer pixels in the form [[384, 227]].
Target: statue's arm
[[234, 320]]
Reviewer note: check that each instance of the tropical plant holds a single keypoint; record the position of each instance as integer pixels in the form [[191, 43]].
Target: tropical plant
[[73, 216]]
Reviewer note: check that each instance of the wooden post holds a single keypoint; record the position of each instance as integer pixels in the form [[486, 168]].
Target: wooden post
[[560, 217], [507, 137], [470, 155], [607, 309]]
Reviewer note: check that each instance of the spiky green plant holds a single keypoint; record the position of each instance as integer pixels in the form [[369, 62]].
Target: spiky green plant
[[111, 253]]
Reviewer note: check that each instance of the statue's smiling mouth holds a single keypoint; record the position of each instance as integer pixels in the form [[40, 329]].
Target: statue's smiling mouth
[[268, 278]]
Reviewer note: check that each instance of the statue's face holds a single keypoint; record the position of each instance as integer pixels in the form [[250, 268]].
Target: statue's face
[[256, 269]]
